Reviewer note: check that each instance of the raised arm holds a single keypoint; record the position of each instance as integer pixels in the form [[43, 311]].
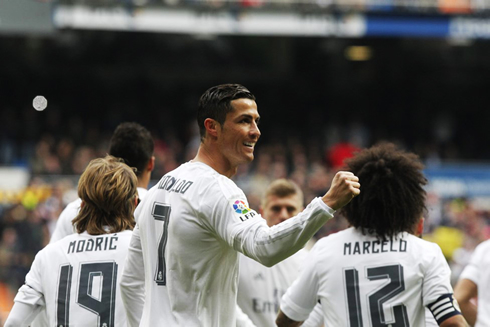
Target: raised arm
[[270, 245]]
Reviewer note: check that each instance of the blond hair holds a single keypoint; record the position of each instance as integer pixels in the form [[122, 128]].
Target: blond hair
[[108, 188], [282, 188]]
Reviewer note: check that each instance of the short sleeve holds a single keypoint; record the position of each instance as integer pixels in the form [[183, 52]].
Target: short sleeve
[[32, 291], [437, 277], [472, 270], [302, 296]]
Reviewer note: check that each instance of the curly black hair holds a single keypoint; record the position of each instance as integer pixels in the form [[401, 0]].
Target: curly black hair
[[392, 196]]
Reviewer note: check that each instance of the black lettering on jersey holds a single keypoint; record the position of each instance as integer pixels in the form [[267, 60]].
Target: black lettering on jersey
[[162, 183], [249, 215], [178, 188], [90, 245], [98, 243], [383, 244], [171, 184], [71, 247], [80, 245], [365, 247], [357, 248], [347, 247], [171, 181], [391, 247], [376, 246], [113, 246], [403, 246], [186, 187]]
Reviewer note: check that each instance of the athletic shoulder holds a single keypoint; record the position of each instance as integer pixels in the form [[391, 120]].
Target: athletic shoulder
[[483, 246], [211, 182]]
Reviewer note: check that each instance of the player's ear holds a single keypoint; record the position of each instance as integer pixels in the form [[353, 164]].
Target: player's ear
[[151, 164], [420, 227], [211, 126]]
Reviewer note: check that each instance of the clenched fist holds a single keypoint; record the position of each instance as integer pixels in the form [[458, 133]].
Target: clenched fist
[[345, 186]]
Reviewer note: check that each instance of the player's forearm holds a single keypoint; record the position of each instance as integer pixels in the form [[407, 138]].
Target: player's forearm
[[469, 311], [284, 321], [464, 292], [272, 245], [454, 321]]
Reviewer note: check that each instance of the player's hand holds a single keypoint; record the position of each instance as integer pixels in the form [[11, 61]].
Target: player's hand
[[345, 186]]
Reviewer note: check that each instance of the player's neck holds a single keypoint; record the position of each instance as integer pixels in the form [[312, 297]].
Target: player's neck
[[215, 160], [144, 179]]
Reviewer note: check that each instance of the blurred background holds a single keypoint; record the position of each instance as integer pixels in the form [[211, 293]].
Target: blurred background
[[330, 77]]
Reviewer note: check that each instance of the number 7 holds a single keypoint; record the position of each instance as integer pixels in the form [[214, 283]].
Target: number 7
[[161, 212]]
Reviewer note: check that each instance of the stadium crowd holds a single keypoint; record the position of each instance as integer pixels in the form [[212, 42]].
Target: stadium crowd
[[28, 217]]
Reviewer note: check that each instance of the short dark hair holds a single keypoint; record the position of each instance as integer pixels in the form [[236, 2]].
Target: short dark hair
[[134, 144], [215, 103], [392, 198]]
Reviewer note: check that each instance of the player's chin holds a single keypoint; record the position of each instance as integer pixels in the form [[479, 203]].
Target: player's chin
[[249, 157]]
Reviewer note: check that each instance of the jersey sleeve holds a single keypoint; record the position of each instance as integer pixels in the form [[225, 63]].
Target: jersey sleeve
[[64, 226], [315, 319], [242, 228], [437, 291], [133, 280], [22, 314], [302, 296], [32, 290], [270, 245], [472, 271]]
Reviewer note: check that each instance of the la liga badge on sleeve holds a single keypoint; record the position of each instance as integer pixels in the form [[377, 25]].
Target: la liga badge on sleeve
[[242, 210]]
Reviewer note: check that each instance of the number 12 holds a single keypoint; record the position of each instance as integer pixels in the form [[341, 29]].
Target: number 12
[[376, 300]]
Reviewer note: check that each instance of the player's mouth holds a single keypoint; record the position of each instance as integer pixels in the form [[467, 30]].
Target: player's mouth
[[249, 144]]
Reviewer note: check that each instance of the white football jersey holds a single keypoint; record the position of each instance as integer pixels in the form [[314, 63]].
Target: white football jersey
[[261, 288], [189, 229], [76, 280], [64, 226], [362, 281], [477, 272]]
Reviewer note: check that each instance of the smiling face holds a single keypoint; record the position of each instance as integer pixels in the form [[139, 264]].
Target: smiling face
[[239, 133]]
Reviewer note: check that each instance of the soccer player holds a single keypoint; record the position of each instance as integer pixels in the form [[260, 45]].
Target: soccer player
[[134, 144], [76, 279], [473, 283], [260, 288], [377, 272], [192, 224]]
